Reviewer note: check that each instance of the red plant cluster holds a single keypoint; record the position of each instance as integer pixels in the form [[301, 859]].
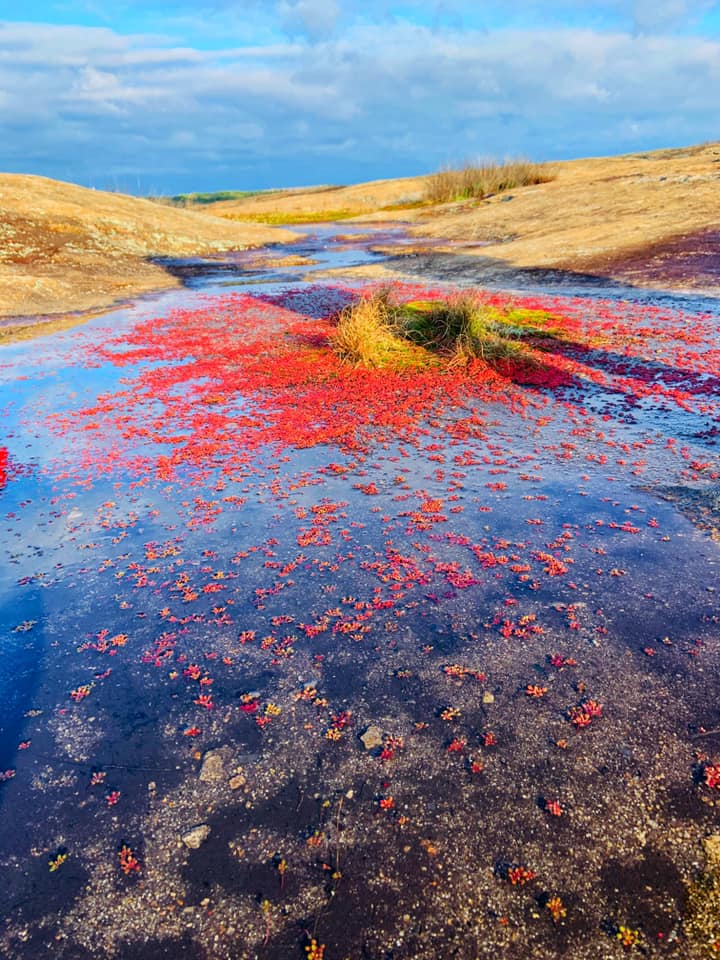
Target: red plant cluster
[[711, 775], [519, 876], [582, 715], [129, 862]]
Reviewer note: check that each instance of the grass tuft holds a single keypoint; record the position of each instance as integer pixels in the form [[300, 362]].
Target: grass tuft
[[463, 328], [378, 331], [483, 179], [368, 334]]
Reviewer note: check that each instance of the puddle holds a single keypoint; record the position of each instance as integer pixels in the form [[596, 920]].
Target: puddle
[[223, 560]]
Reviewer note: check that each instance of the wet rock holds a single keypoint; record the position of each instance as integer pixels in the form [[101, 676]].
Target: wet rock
[[197, 836], [372, 738], [212, 769]]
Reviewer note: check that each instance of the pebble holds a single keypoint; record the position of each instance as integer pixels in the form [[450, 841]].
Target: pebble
[[237, 781], [372, 738], [212, 767], [197, 836]]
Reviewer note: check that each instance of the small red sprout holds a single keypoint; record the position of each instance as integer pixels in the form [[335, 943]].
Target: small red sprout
[[711, 773], [557, 909], [519, 876], [129, 863], [553, 808]]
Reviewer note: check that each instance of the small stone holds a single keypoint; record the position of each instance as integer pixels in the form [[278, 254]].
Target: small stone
[[197, 836], [372, 738], [488, 697], [237, 781], [212, 767]]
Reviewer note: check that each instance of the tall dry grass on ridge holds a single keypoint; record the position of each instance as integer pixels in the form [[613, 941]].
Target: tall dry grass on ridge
[[483, 179]]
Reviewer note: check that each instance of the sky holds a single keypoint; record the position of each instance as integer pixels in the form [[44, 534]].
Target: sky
[[153, 97]]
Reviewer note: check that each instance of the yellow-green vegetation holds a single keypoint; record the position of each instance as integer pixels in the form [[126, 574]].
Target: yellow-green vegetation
[[525, 322], [702, 908], [483, 179], [277, 217], [379, 331], [57, 861]]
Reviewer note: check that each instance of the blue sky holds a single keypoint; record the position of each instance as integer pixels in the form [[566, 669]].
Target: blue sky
[[164, 97]]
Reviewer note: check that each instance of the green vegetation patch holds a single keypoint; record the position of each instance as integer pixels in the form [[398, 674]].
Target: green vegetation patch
[[282, 217], [189, 199], [461, 328]]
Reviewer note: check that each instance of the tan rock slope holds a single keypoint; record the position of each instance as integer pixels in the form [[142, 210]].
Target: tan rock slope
[[358, 199], [596, 215], [63, 247], [652, 218]]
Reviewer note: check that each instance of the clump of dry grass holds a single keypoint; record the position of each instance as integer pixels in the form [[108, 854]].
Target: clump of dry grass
[[483, 179], [376, 331], [367, 334]]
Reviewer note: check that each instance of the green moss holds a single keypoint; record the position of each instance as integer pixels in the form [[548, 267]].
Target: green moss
[[525, 323]]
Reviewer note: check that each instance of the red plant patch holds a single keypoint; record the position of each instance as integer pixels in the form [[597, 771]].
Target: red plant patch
[[4, 464]]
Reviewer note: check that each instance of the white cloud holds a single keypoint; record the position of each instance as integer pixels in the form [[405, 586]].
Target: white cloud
[[653, 15], [373, 100], [315, 18]]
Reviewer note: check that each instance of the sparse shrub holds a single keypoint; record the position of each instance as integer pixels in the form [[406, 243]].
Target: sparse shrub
[[483, 179]]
